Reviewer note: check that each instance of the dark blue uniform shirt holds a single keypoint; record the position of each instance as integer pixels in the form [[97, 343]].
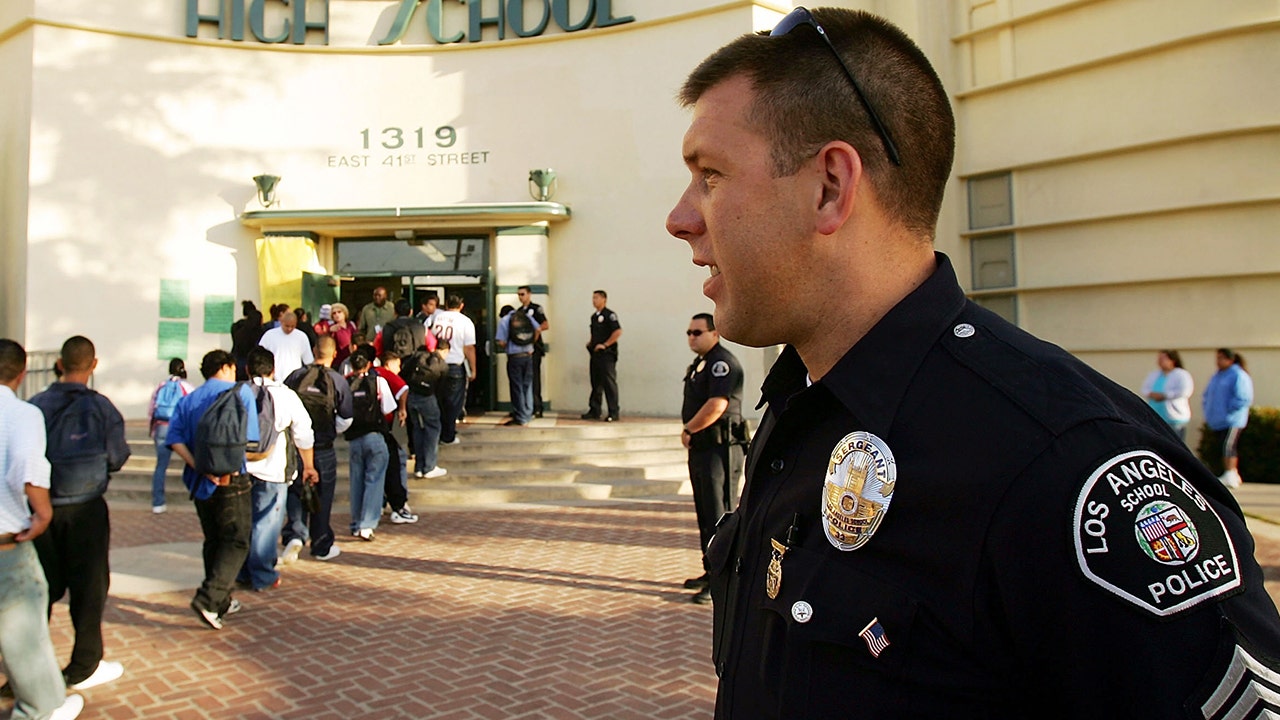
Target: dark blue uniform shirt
[[1022, 538]]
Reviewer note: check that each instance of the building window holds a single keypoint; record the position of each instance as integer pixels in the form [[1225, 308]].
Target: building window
[[991, 254], [1006, 306], [990, 201], [992, 260]]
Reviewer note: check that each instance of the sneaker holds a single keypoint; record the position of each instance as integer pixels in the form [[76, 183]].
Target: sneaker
[[103, 674], [159, 509], [70, 708], [209, 617], [233, 608], [402, 517], [697, 583], [1231, 479], [702, 597], [455, 441], [333, 553], [291, 551], [419, 474], [406, 509], [435, 472], [365, 534], [611, 418]]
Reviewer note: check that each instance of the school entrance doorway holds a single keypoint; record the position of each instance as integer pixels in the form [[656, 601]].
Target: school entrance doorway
[[416, 268], [479, 251]]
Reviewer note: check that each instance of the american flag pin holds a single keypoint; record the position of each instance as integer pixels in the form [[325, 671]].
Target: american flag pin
[[875, 638]]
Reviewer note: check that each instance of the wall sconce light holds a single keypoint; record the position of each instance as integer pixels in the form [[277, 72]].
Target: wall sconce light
[[266, 188], [542, 184]]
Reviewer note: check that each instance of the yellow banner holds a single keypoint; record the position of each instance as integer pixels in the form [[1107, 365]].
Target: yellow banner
[[281, 262]]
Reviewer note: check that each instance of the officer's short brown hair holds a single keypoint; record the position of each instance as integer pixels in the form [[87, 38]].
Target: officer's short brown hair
[[803, 101]]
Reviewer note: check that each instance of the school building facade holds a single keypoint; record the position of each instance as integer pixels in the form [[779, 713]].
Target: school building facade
[[1115, 191]]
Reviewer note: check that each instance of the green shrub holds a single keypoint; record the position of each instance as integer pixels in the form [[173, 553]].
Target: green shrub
[[1259, 447]]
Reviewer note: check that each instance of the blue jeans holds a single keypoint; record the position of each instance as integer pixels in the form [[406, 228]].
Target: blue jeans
[[452, 397], [369, 458], [314, 528], [425, 412], [163, 453], [520, 377], [268, 517], [29, 660]]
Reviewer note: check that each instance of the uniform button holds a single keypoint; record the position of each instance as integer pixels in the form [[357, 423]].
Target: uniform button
[[777, 465], [737, 567]]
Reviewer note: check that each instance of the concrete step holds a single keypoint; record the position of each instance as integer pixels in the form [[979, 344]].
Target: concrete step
[[551, 461], [500, 495]]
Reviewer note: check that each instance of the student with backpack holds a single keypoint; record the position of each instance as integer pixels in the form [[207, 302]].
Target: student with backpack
[[371, 402], [272, 475], [516, 333], [85, 444], [424, 372], [164, 400], [402, 335], [327, 399], [211, 430]]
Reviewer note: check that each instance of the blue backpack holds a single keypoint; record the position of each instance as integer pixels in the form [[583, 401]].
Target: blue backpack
[[167, 398]]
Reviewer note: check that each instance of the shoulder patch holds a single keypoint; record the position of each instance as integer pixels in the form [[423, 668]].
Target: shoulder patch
[[1144, 533], [720, 368]]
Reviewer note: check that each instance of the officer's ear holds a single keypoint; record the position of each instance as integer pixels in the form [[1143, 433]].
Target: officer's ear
[[840, 169]]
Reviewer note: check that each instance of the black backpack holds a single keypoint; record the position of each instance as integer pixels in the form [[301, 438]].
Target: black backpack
[[221, 437], [319, 396], [521, 330], [422, 372], [402, 343], [76, 446], [366, 411], [267, 433]]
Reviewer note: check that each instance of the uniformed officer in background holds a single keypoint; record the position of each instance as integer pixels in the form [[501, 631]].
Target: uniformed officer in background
[[603, 346], [1052, 550], [712, 433]]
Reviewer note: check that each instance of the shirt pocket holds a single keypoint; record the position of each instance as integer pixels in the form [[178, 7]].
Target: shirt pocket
[[843, 638]]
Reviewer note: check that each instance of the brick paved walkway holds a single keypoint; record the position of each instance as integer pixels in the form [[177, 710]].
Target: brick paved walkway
[[513, 613], [522, 612]]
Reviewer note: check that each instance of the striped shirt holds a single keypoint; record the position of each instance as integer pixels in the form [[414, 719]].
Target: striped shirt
[[22, 460]]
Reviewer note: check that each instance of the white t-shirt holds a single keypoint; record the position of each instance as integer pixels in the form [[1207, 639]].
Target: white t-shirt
[[458, 329], [292, 350], [22, 460], [290, 413]]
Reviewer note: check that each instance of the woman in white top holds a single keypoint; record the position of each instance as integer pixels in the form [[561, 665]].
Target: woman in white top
[[1168, 391]]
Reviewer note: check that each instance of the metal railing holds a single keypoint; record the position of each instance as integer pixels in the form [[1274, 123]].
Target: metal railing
[[40, 372]]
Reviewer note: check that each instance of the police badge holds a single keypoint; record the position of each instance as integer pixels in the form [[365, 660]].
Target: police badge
[[858, 489]]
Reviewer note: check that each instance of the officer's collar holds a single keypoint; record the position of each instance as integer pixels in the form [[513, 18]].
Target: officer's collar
[[874, 374]]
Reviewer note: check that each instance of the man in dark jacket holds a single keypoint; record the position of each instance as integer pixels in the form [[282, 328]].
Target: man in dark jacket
[[86, 443]]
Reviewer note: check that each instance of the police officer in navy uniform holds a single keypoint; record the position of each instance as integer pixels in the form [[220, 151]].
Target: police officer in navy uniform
[[539, 318], [603, 346], [712, 433], [943, 516]]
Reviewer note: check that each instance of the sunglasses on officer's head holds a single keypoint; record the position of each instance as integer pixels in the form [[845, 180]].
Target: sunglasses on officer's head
[[801, 16], [694, 333]]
